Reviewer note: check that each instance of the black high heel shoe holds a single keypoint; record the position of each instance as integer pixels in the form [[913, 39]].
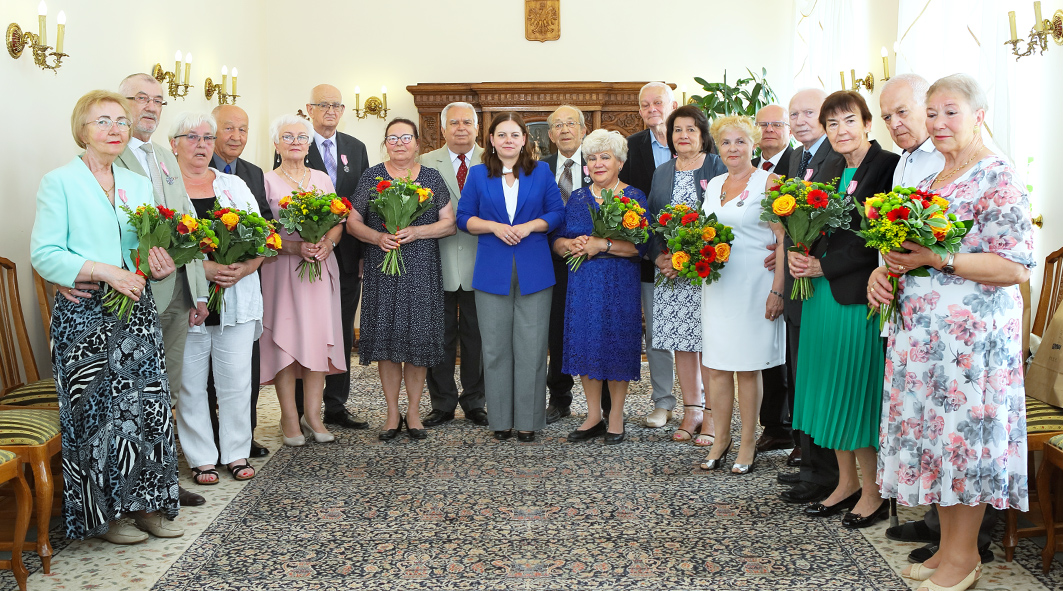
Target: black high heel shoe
[[392, 433], [744, 468], [417, 434], [715, 464]]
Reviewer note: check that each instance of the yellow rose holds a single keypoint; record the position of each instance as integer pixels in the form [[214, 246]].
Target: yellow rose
[[940, 202], [423, 194], [941, 233], [337, 207], [784, 205], [273, 241], [285, 201], [679, 259], [230, 220], [631, 220], [723, 252], [708, 233], [681, 208]]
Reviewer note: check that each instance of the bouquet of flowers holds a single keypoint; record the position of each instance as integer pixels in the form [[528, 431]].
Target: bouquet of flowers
[[620, 218], [399, 202], [806, 211], [233, 236], [888, 219], [310, 214], [699, 244], [156, 226]]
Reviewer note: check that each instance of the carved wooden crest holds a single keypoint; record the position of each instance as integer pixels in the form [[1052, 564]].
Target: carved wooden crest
[[542, 20]]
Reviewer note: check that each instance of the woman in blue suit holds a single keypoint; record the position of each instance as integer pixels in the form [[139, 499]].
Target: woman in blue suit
[[511, 201]]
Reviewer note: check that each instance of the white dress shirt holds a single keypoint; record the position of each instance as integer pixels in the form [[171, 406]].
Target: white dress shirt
[[142, 156], [457, 161], [577, 169], [915, 166], [774, 160], [510, 194]]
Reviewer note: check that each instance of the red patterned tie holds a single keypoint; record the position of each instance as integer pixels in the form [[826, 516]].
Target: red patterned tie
[[463, 172], [766, 165]]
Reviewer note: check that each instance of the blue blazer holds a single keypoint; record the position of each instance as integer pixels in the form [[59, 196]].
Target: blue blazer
[[75, 222], [537, 198]]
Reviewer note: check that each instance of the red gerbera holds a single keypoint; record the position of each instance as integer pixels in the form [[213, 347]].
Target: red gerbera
[[625, 200], [689, 218], [382, 186], [901, 213], [818, 198], [708, 254], [703, 269], [664, 219]]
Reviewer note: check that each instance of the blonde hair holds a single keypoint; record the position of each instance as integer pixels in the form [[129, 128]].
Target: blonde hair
[[743, 123], [86, 103], [601, 140]]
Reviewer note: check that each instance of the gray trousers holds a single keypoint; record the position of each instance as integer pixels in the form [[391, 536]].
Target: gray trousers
[[661, 361], [513, 331], [174, 323]]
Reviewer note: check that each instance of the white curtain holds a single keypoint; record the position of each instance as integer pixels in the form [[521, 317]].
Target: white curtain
[[821, 44]]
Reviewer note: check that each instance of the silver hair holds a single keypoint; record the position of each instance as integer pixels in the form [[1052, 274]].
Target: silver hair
[[463, 105], [917, 83], [965, 85], [186, 122], [600, 140], [123, 86], [668, 92], [284, 121], [582, 121]]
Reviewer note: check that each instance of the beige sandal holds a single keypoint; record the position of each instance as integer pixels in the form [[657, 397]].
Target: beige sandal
[[687, 435]]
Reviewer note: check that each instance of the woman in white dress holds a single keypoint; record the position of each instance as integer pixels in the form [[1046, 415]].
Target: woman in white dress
[[740, 312]]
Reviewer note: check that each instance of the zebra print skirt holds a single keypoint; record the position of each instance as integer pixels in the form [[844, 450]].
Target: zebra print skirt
[[119, 453]]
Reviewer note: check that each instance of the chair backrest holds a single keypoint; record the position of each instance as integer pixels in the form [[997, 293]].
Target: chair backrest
[[12, 333], [1051, 293], [45, 299]]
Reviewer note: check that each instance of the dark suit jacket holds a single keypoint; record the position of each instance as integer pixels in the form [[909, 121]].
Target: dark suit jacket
[[661, 191], [826, 165], [349, 250], [783, 167], [847, 263], [552, 161], [638, 170], [253, 178]]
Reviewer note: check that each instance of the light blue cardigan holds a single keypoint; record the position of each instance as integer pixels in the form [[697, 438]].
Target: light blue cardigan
[[76, 222]]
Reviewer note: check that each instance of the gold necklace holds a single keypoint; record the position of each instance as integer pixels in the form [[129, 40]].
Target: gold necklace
[[679, 161], [947, 175]]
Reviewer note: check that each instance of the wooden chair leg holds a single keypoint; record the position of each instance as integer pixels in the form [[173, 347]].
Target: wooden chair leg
[[24, 500], [1011, 533], [42, 481]]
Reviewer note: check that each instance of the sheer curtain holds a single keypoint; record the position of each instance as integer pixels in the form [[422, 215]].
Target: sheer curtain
[[820, 42]]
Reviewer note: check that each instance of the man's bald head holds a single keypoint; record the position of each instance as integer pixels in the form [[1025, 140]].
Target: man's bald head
[[804, 116], [326, 118], [232, 131]]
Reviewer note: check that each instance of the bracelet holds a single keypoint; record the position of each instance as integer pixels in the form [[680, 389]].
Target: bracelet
[[773, 292], [333, 243], [608, 245], [92, 271]]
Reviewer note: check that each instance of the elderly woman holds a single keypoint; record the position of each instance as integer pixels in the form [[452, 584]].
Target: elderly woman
[[954, 431], [119, 453], [222, 345], [742, 302], [511, 202], [838, 392], [682, 181], [301, 332], [603, 326], [402, 315]]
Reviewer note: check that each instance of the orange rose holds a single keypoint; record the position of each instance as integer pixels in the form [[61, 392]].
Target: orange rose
[[423, 194], [941, 233], [708, 233], [273, 241], [723, 252], [679, 259], [337, 207], [230, 220], [631, 220], [187, 225], [784, 205], [285, 201]]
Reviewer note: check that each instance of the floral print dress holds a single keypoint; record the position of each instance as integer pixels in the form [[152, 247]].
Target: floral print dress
[[953, 410]]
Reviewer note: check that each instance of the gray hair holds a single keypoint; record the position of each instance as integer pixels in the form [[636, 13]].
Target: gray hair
[[186, 122], [668, 92], [917, 83], [582, 120], [284, 121], [965, 85], [123, 86], [461, 105], [600, 140]]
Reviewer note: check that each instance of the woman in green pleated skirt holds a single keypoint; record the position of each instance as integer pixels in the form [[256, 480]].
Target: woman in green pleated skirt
[[841, 359]]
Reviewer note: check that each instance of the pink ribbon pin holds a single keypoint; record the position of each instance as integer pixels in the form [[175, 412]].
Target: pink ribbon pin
[[343, 158], [121, 195], [852, 188], [164, 171], [586, 171], [229, 195], [808, 174], [704, 184]]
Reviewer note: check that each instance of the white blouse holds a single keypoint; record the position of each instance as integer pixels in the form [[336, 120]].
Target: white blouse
[[510, 194]]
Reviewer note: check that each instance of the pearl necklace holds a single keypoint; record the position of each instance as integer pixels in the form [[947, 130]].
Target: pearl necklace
[[599, 195], [299, 183]]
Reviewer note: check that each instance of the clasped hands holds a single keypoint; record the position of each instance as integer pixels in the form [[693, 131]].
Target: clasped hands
[[585, 246], [313, 252], [511, 235], [879, 289], [388, 242]]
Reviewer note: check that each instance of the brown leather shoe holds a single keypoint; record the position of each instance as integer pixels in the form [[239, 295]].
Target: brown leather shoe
[[188, 498], [794, 461], [766, 444]]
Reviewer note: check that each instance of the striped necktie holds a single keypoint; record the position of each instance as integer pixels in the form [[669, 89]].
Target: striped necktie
[[153, 172]]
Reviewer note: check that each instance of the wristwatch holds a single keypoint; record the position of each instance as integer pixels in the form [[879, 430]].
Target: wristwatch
[[948, 268], [608, 245]]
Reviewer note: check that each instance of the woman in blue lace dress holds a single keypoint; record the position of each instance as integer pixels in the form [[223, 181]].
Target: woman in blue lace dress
[[603, 310]]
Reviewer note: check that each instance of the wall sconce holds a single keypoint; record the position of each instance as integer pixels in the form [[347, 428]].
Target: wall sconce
[[177, 89], [867, 82], [885, 64], [223, 98], [373, 105], [17, 40], [1038, 40]]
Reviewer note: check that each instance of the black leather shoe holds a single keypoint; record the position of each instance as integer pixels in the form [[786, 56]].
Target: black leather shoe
[[914, 531], [614, 438], [922, 554], [438, 417], [853, 521], [794, 461], [188, 498], [556, 413], [821, 510], [391, 433], [765, 444], [258, 450], [788, 478], [343, 419], [503, 435], [806, 492], [477, 415], [588, 434], [526, 436]]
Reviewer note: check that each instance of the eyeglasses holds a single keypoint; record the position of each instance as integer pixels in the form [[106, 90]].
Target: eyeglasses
[[106, 123], [143, 99], [193, 138], [395, 139], [563, 124], [329, 106], [302, 138], [775, 124]]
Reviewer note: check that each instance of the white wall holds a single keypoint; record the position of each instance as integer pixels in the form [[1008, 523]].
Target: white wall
[[281, 54]]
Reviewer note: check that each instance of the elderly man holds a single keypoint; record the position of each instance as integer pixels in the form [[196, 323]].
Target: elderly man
[[458, 256], [775, 417], [646, 150], [819, 467], [182, 297], [343, 158], [232, 138]]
